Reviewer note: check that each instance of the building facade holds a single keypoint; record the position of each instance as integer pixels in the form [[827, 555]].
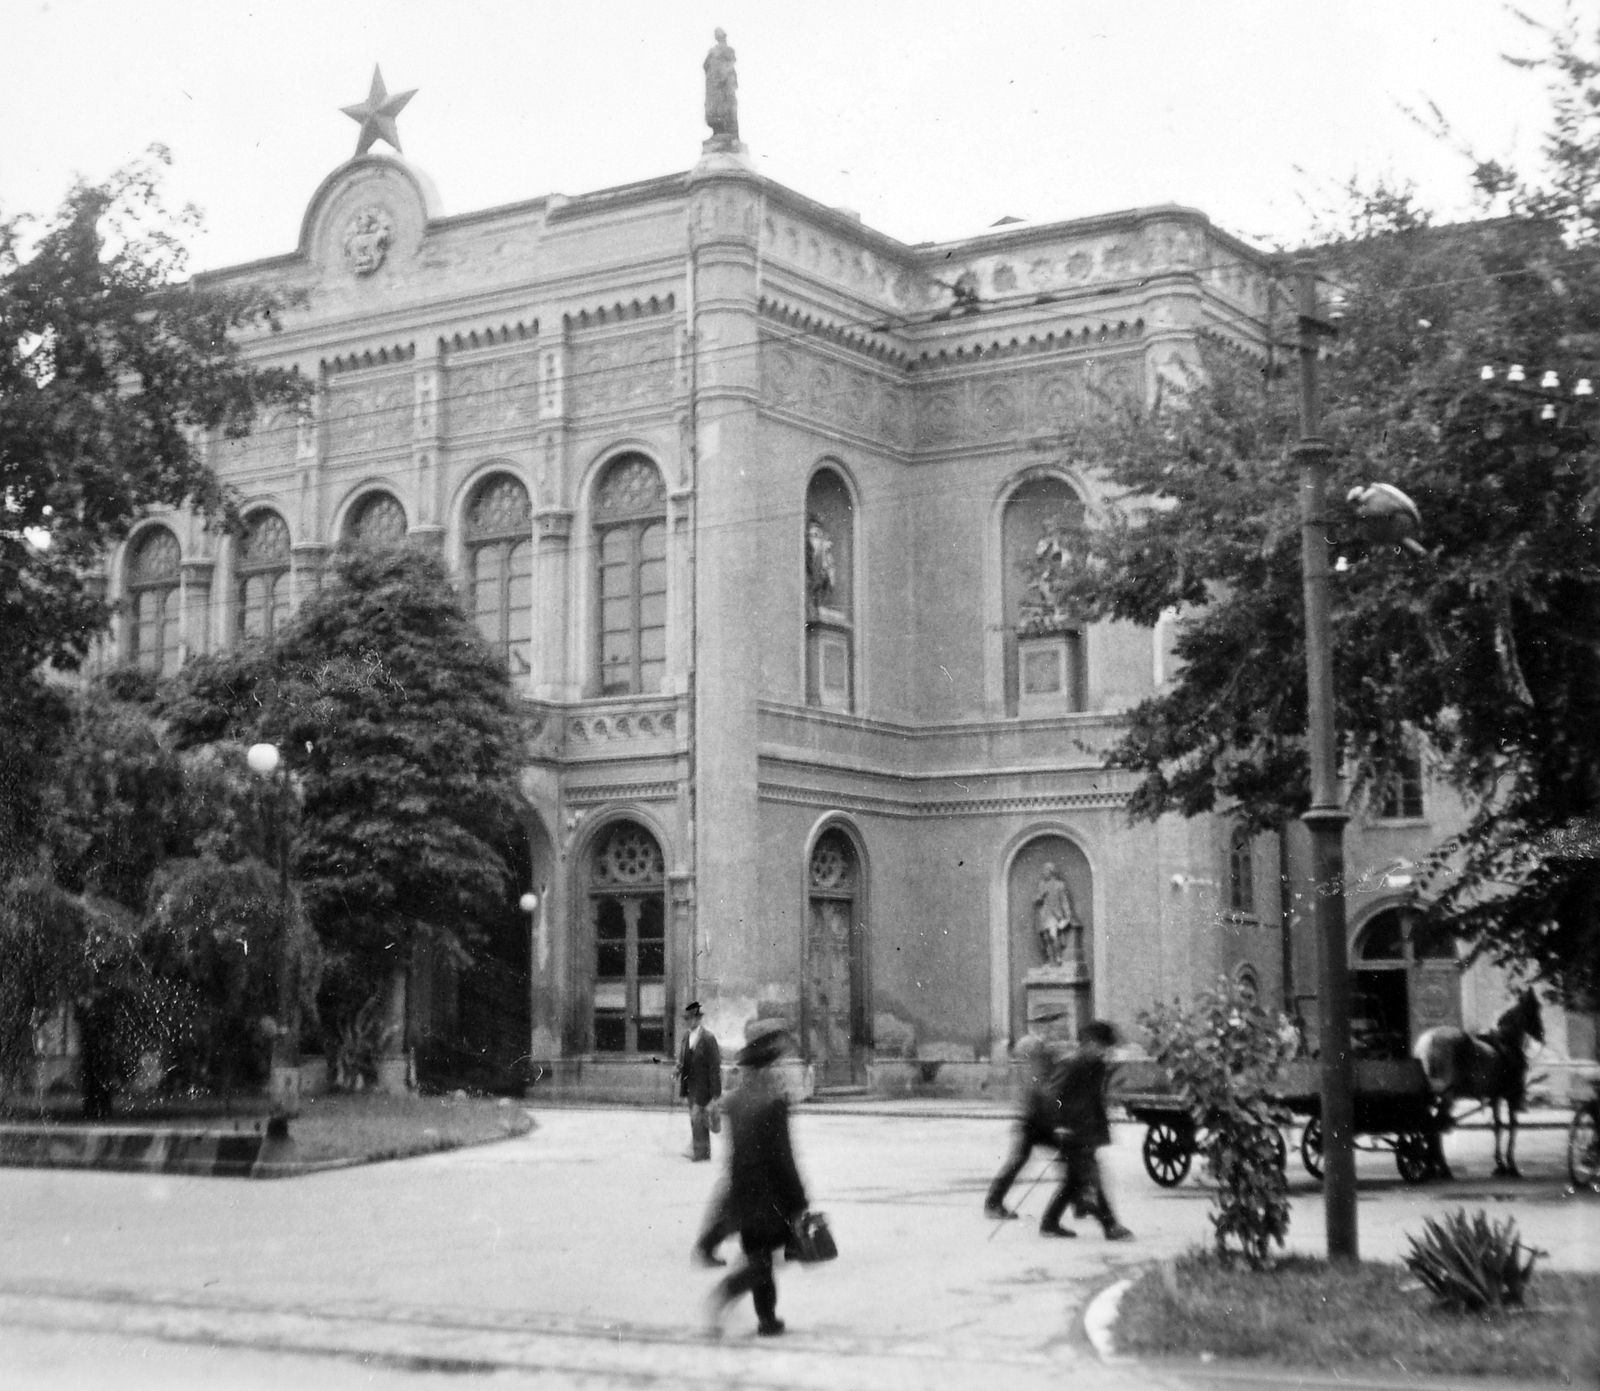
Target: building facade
[[743, 490]]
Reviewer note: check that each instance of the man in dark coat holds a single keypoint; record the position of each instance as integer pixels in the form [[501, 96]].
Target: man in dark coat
[[765, 1193], [1036, 1123], [1079, 1084], [699, 1079]]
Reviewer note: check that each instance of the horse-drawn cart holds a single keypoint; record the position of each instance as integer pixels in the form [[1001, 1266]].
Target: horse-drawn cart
[[1394, 1111]]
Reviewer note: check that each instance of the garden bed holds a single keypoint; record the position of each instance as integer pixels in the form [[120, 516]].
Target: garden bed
[[1370, 1317]]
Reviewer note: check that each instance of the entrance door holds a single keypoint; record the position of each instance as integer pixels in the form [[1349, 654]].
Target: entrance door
[[834, 1008]]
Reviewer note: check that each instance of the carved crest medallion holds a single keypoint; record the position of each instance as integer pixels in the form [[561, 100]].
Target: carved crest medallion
[[366, 240]]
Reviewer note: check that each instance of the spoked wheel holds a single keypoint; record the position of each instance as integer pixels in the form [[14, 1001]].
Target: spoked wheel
[[1167, 1152], [1583, 1148], [1280, 1151], [1311, 1148], [1413, 1156]]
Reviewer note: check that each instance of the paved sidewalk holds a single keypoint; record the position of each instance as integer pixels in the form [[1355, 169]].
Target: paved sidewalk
[[560, 1258]]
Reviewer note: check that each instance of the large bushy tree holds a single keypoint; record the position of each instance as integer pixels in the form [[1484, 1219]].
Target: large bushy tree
[[399, 723], [1488, 648], [113, 367]]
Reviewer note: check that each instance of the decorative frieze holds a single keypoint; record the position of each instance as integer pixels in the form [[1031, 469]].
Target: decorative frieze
[[622, 373], [269, 445], [497, 395], [908, 808], [371, 416]]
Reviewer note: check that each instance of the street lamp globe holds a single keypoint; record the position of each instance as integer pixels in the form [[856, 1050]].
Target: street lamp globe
[[528, 902], [263, 759]]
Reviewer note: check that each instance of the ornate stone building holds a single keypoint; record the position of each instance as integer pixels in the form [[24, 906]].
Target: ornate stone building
[[743, 489]]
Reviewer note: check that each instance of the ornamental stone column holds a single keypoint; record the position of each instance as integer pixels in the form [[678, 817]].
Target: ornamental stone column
[[736, 534], [427, 444], [197, 576], [552, 528], [308, 552]]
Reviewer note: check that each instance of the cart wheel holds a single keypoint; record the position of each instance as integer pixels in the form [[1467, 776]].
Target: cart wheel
[[1583, 1148], [1413, 1156], [1167, 1152], [1311, 1148]]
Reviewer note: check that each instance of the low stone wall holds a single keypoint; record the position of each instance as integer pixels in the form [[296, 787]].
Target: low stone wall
[[134, 1149]]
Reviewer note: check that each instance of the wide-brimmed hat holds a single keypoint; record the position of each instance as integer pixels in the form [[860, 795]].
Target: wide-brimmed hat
[[693, 1007], [764, 1042]]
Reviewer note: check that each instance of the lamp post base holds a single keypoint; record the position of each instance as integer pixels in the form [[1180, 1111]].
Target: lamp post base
[[284, 1089]]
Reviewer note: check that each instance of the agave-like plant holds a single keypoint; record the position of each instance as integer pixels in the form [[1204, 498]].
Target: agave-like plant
[[1472, 1264]]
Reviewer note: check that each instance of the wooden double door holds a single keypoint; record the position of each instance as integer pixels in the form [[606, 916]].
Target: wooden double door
[[834, 1010]]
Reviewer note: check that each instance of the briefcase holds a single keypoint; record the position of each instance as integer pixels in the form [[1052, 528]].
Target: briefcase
[[811, 1239]]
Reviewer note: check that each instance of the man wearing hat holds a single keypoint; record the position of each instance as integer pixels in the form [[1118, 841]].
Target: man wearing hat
[[765, 1193], [699, 1079]]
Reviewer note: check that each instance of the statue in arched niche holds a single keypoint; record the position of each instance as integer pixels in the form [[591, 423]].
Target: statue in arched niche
[[821, 574], [1055, 920]]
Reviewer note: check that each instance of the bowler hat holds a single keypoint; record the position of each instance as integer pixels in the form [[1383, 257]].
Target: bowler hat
[[764, 1042], [693, 1007]]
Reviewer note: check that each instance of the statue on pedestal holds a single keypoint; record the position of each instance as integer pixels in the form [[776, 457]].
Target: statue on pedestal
[[821, 576], [1054, 920], [722, 100]]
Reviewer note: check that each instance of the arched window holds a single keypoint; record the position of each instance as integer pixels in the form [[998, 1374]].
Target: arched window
[[1044, 649], [630, 527], [153, 597], [830, 592], [1241, 872], [628, 911], [263, 575], [377, 520], [499, 540]]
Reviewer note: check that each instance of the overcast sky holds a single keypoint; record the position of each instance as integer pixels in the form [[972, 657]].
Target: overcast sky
[[931, 118]]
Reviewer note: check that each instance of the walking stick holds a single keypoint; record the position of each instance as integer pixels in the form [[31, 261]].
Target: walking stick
[[1026, 1193]]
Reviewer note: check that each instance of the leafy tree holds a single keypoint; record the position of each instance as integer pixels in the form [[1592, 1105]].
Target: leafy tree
[[398, 721], [1488, 649], [112, 366], [1225, 1055]]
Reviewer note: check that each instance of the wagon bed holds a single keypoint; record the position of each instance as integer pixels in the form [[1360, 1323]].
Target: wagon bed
[[1394, 1111]]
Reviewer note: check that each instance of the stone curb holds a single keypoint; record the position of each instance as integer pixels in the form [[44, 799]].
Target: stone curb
[[195, 1153]]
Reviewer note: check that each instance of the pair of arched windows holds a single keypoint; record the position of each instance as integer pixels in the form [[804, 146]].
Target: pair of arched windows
[[497, 540]]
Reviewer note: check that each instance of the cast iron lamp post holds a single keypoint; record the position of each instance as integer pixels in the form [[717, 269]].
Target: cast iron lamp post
[[1326, 817], [267, 763]]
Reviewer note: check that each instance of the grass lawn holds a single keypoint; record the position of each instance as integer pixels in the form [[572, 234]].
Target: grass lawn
[[372, 1127], [1305, 1313]]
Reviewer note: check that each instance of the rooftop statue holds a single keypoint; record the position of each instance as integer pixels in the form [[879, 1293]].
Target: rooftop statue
[[722, 89]]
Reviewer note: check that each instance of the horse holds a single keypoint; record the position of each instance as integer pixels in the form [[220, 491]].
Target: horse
[[1491, 1067]]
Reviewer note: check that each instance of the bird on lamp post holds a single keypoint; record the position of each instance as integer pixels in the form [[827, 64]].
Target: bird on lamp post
[[1388, 516]]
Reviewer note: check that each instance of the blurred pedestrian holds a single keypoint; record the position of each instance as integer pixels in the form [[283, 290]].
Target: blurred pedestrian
[[1036, 1123], [700, 1080], [765, 1194], [1079, 1085]]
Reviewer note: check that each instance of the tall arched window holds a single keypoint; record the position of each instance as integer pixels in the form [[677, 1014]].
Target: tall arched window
[[835, 1003], [153, 598], [1044, 650], [830, 592], [628, 911], [499, 534], [263, 575], [630, 526], [1241, 872], [377, 520]]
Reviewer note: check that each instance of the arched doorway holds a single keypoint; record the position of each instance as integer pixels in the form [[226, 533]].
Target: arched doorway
[[627, 919], [834, 1009], [1046, 870], [1405, 980]]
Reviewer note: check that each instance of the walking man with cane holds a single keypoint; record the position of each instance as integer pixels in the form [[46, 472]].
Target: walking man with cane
[[1036, 1124]]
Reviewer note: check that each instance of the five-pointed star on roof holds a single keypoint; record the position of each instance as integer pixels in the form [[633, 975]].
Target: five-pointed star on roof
[[377, 114]]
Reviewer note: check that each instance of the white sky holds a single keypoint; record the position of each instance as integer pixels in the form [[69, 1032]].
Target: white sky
[[929, 117]]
